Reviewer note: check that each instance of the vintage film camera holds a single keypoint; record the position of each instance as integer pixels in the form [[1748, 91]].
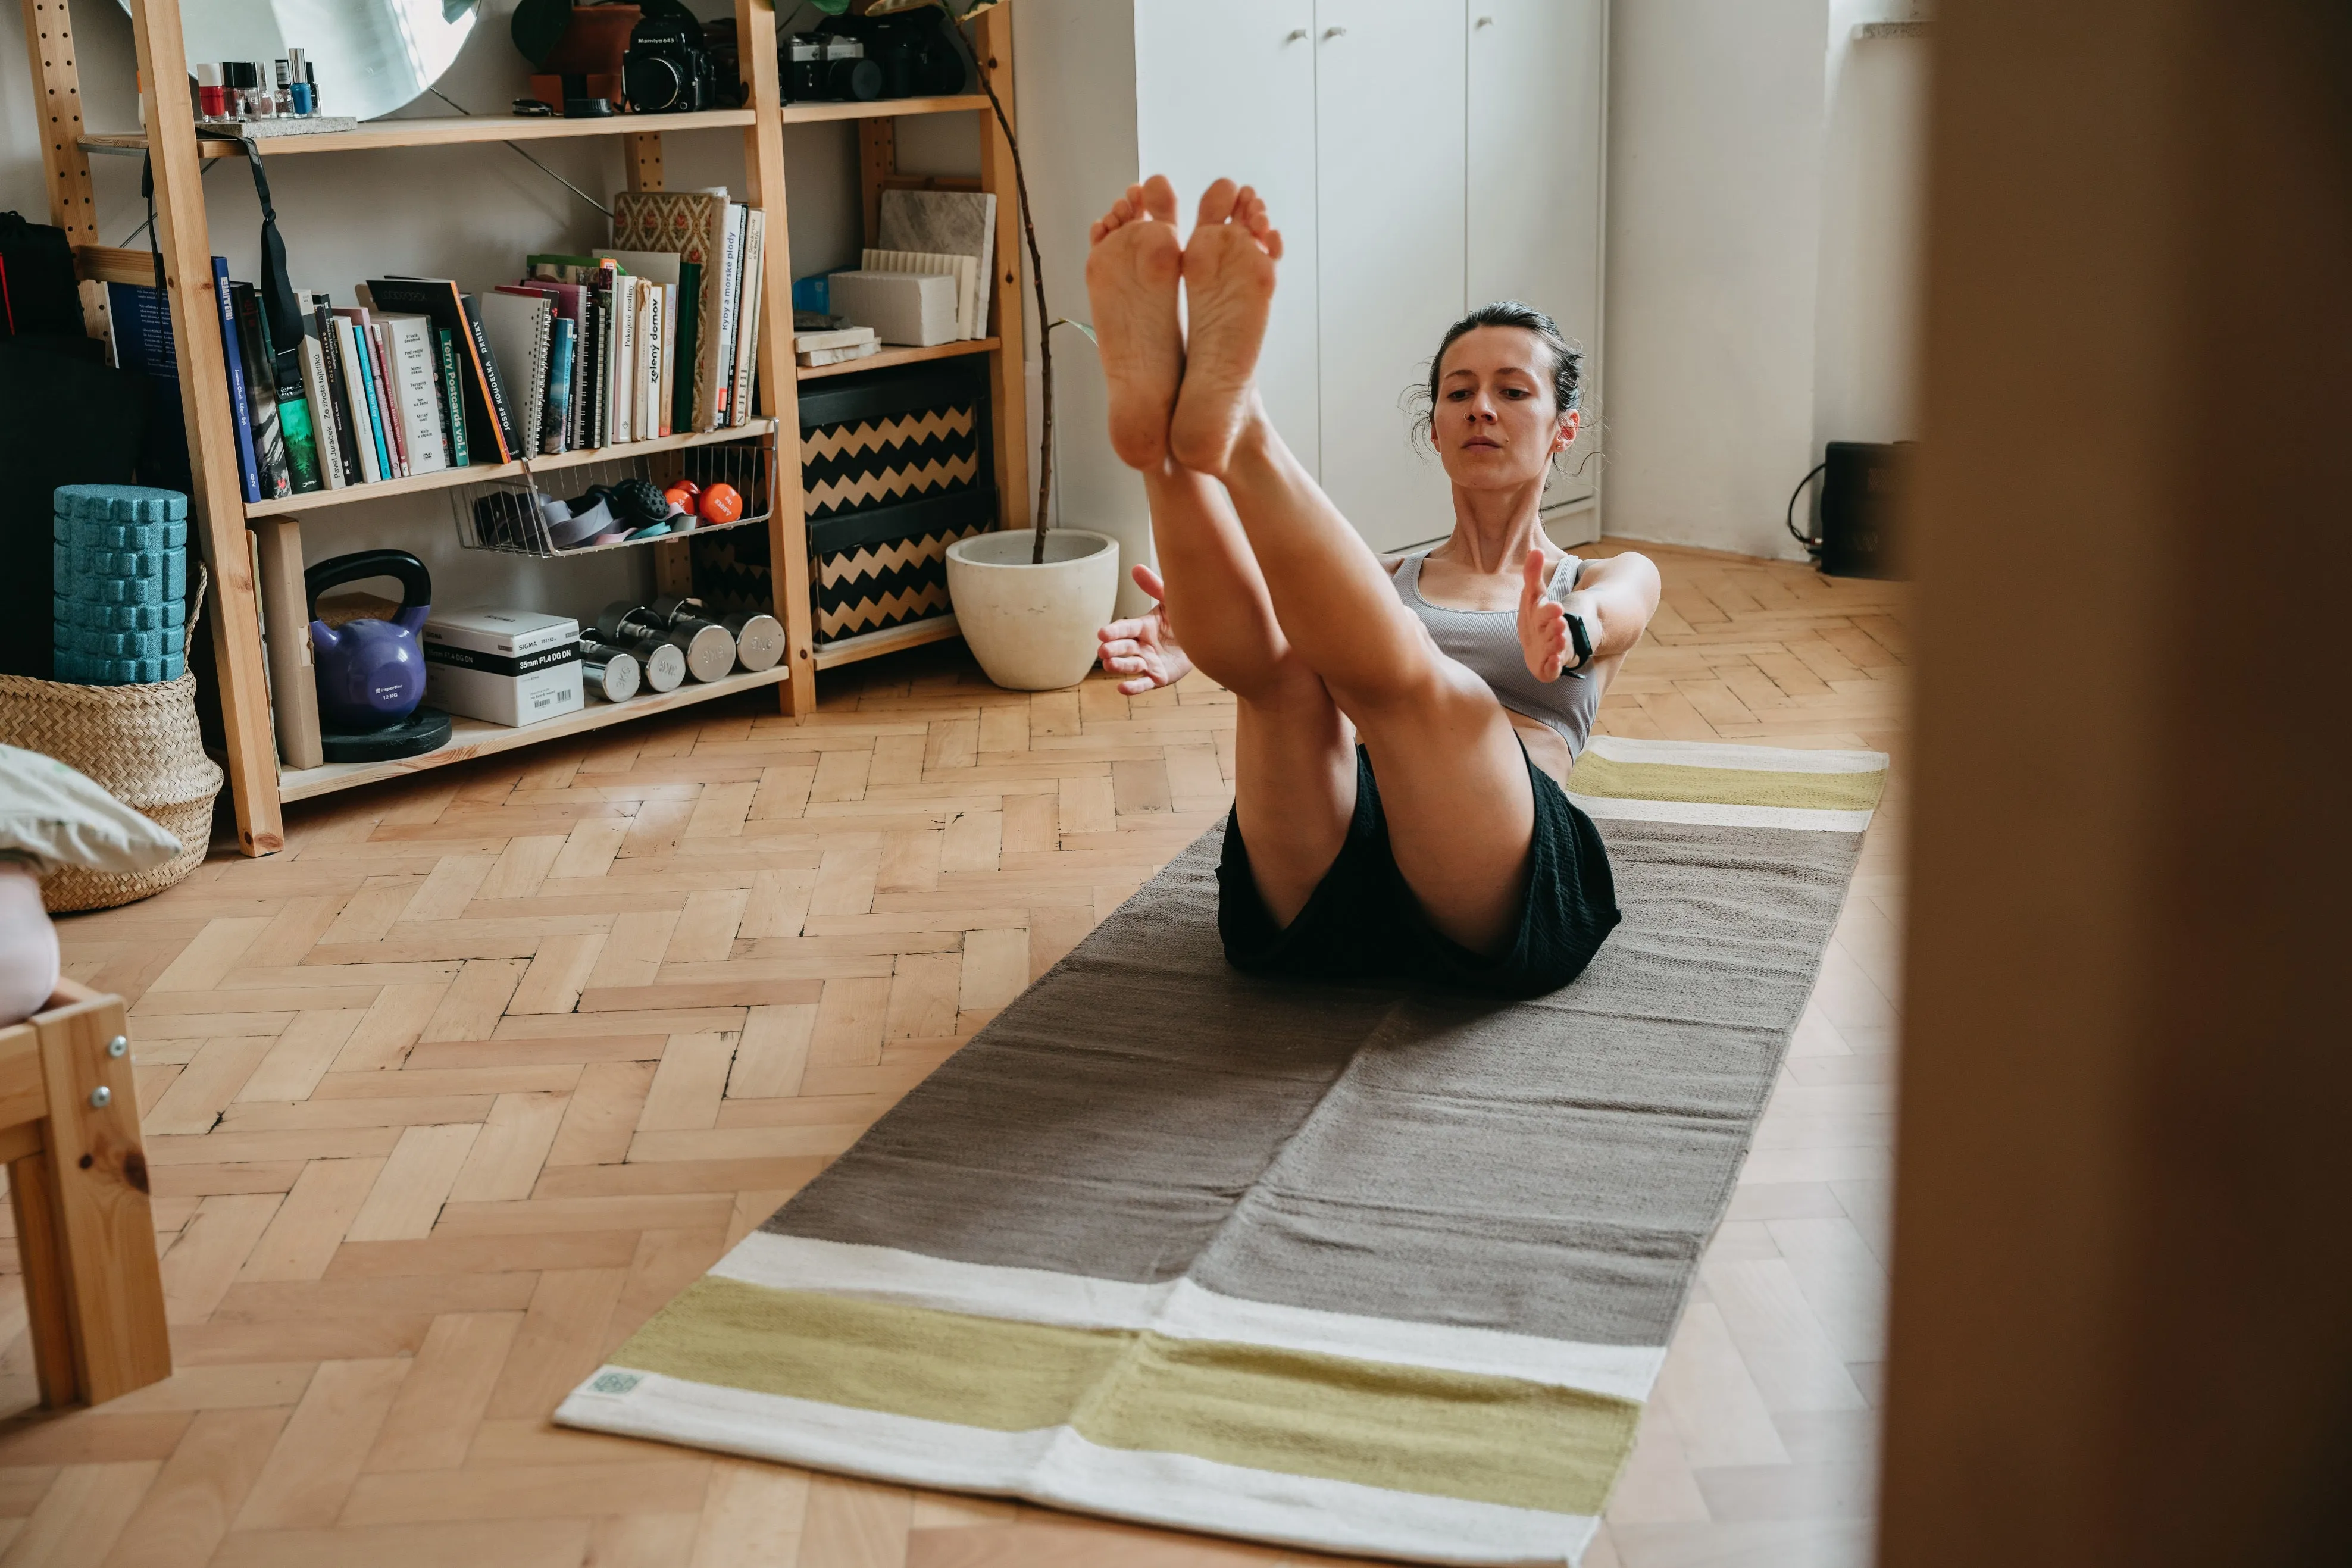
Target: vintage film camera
[[907, 54], [668, 69], [651, 54]]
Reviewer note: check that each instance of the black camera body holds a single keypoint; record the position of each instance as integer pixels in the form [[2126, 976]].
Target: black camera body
[[819, 67], [668, 69], [912, 51]]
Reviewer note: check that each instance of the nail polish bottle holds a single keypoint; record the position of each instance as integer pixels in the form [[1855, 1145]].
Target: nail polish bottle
[[310, 79], [212, 93], [261, 99], [298, 76], [285, 95]]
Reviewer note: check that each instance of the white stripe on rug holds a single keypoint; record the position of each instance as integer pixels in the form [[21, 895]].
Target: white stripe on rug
[[1733, 754], [1056, 1466], [1706, 814], [1181, 1310]]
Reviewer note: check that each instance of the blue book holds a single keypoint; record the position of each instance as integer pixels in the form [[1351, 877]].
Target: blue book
[[384, 459], [232, 350], [558, 388], [139, 326]]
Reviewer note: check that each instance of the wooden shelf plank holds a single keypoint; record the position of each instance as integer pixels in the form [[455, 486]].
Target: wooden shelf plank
[[478, 473], [889, 640], [442, 131], [901, 357], [472, 737], [882, 108]]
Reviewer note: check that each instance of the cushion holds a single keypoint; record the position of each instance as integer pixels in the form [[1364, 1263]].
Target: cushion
[[54, 817]]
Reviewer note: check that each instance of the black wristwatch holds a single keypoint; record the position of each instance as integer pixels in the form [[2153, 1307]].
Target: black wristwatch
[[1581, 640]]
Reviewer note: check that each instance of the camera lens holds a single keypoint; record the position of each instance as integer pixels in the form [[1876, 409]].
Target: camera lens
[[858, 81], [654, 83]]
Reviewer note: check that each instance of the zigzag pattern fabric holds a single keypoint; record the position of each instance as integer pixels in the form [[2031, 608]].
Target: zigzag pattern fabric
[[849, 618], [850, 440], [880, 586], [863, 463], [878, 486]]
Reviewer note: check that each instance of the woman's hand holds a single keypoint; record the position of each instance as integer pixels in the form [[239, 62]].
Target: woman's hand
[[1543, 623], [1144, 648]]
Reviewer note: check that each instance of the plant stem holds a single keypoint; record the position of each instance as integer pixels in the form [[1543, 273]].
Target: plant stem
[[1044, 331]]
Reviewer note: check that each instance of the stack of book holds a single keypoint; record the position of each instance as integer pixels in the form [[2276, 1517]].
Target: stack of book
[[656, 336]]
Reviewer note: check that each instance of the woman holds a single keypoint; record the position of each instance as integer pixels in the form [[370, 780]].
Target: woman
[[1405, 728]]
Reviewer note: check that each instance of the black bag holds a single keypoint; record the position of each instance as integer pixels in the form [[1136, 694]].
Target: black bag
[[38, 297]]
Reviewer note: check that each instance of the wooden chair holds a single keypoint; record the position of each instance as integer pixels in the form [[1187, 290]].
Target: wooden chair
[[77, 1181]]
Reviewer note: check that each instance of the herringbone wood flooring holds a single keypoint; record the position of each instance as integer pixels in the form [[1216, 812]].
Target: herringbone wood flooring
[[446, 1099]]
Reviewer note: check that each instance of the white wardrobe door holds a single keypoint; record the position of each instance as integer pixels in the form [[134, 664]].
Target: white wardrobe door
[[1388, 138], [1534, 176], [1226, 88]]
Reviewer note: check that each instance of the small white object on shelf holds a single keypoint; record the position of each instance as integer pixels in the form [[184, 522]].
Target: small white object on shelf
[[914, 308], [514, 668]]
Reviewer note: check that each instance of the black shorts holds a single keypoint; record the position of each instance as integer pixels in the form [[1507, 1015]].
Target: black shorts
[[1362, 922]]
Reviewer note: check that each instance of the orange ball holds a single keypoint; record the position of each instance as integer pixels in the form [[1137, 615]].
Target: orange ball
[[721, 504]]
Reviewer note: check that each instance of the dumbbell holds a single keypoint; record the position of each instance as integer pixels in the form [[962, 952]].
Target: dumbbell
[[612, 673], [759, 639], [660, 664], [709, 651]]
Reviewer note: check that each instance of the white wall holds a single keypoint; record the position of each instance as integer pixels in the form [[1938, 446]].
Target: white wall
[[470, 213], [1762, 223]]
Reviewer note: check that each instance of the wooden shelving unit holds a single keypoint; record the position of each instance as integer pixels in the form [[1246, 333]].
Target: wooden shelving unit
[[255, 552]]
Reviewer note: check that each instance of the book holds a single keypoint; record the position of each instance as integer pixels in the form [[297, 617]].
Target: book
[[372, 390], [295, 427], [411, 368], [261, 396], [317, 392], [387, 400], [747, 316], [233, 354], [620, 295], [138, 334], [956, 222], [665, 395], [338, 387], [649, 360], [693, 226], [452, 400], [730, 283], [489, 423], [815, 357], [515, 326], [559, 387], [353, 360], [837, 337]]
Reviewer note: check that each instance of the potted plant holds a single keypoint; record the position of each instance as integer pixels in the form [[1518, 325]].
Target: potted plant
[[1028, 604]]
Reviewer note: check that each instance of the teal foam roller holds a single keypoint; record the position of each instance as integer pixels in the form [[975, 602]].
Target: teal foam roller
[[84, 534], [116, 590], [120, 503], [152, 645], [88, 670], [73, 560], [69, 612]]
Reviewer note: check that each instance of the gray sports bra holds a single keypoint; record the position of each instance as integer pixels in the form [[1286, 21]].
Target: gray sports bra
[[1487, 643]]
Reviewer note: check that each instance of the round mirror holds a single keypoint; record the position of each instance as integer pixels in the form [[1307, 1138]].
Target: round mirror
[[368, 56]]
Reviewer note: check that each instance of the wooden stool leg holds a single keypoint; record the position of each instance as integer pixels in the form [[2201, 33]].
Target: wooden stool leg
[[33, 1195], [105, 1224]]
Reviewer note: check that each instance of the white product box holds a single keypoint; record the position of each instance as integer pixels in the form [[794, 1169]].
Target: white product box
[[910, 308], [513, 667]]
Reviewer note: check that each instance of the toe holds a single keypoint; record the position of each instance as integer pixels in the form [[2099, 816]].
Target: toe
[[1158, 197], [1217, 202]]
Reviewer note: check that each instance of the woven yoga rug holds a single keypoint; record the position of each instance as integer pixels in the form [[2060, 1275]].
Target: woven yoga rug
[[1340, 1267]]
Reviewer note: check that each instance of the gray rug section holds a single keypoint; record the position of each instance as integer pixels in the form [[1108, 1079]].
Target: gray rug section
[[1550, 1168]]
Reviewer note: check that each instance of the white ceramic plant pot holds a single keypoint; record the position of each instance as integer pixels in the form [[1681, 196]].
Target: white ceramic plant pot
[[1032, 627]]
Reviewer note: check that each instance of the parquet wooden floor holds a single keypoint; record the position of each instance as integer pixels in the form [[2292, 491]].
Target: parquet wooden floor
[[446, 1099]]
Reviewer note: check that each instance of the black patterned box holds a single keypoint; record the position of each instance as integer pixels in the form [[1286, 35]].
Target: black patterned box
[[896, 465]]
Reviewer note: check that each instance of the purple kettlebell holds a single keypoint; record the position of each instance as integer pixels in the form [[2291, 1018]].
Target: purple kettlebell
[[370, 671]]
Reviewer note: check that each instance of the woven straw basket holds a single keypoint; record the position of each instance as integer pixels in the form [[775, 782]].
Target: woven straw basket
[[139, 745]]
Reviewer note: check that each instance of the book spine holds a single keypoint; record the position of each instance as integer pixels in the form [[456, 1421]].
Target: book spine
[[492, 387], [387, 395], [543, 346], [340, 386], [666, 392], [316, 392], [261, 397], [355, 363], [294, 425], [627, 377], [453, 397], [233, 353], [415, 379], [649, 360], [747, 316], [687, 359], [730, 282], [559, 389], [388, 461]]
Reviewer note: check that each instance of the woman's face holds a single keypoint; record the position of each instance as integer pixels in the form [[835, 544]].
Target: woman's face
[[1497, 424]]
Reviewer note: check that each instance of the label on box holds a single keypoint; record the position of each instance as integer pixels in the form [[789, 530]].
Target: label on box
[[502, 688]]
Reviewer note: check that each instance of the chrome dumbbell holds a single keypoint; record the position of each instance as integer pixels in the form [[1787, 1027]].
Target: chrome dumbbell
[[658, 664], [612, 673], [758, 640], [709, 651]]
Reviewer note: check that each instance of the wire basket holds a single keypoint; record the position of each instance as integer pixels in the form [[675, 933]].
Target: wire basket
[[533, 513]]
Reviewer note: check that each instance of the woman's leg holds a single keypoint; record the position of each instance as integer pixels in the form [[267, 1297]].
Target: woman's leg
[[1454, 780], [1294, 776]]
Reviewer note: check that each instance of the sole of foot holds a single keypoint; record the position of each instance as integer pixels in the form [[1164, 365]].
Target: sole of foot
[[1132, 269], [1229, 266]]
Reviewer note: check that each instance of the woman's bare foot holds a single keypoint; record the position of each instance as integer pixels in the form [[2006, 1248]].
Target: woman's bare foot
[[1228, 289], [1132, 273]]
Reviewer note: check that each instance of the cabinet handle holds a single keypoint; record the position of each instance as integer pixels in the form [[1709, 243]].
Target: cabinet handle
[[1485, 22], [1333, 32], [1296, 34]]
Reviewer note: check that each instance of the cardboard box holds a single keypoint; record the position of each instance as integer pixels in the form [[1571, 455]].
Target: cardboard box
[[514, 668], [916, 309]]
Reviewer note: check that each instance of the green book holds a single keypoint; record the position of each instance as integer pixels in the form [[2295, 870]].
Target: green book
[[453, 405], [689, 292]]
